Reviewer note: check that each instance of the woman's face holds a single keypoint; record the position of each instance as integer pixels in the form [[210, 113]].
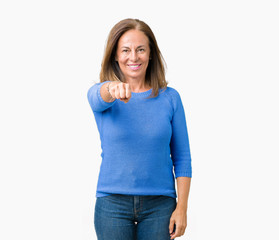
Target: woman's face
[[132, 54]]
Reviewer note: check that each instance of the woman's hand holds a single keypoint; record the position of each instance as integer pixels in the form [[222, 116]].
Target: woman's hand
[[120, 90], [179, 218]]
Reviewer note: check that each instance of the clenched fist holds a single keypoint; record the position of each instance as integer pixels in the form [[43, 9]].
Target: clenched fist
[[120, 90]]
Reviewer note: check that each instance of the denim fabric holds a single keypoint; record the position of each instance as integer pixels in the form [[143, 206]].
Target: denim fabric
[[129, 217]]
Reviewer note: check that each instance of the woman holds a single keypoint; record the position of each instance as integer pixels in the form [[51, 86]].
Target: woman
[[143, 136]]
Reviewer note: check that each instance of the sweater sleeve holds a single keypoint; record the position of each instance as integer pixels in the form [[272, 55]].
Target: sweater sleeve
[[95, 99], [179, 145]]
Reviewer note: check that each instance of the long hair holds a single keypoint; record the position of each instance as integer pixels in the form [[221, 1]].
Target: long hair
[[155, 72]]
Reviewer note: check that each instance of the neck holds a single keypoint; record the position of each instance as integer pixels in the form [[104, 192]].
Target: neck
[[137, 85]]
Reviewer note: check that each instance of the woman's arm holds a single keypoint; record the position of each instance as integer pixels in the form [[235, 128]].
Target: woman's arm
[[105, 94], [179, 216], [179, 144], [181, 156], [183, 188], [99, 97]]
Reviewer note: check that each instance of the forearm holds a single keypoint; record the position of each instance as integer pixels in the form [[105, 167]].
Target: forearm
[[183, 188], [105, 94]]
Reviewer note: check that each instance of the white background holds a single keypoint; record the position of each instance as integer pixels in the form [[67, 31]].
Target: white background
[[222, 57]]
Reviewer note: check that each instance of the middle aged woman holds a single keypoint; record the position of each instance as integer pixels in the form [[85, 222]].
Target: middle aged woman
[[143, 133]]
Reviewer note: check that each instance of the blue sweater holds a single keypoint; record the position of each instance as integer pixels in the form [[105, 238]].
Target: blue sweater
[[142, 142]]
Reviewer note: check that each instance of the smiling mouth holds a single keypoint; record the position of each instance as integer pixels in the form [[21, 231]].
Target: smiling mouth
[[134, 66]]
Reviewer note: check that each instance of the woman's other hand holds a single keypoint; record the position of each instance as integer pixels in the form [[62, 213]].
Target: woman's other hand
[[179, 219]]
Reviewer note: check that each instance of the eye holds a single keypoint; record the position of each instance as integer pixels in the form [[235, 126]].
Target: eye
[[125, 50], [141, 50]]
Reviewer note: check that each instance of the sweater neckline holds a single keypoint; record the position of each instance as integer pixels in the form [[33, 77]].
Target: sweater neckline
[[142, 94]]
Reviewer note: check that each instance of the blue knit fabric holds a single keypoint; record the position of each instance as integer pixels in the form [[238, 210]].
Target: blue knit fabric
[[142, 142]]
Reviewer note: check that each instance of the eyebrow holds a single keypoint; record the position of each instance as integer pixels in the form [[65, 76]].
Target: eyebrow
[[137, 47]]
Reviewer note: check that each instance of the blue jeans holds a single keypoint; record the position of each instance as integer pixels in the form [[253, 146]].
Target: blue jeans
[[129, 217]]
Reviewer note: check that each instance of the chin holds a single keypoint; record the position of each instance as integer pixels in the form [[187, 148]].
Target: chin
[[134, 75]]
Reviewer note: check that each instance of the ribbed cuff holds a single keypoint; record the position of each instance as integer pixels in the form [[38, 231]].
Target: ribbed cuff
[[106, 104], [183, 174]]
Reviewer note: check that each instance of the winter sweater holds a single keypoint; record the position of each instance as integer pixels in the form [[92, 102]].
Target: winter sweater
[[142, 142]]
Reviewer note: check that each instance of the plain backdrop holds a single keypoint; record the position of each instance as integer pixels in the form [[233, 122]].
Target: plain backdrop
[[222, 57]]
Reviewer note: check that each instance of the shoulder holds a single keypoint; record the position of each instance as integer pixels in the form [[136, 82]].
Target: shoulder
[[171, 93], [172, 96]]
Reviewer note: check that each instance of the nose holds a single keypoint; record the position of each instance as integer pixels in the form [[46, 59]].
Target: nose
[[134, 56]]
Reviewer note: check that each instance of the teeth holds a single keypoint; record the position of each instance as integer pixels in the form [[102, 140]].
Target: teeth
[[134, 65]]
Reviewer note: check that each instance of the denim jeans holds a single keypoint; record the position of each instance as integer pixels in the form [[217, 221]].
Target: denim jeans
[[130, 217]]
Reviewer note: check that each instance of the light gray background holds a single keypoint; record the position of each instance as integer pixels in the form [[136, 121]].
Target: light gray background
[[222, 57]]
